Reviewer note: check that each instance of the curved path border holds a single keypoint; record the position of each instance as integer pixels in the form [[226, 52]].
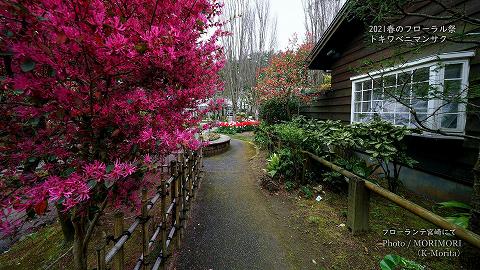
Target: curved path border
[[218, 146]]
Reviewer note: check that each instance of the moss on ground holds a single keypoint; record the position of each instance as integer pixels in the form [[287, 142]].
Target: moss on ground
[[36, 250]]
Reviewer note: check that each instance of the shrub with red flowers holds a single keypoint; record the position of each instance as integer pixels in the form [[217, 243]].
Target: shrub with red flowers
[[237, 127], [284, 82], [91, 92]]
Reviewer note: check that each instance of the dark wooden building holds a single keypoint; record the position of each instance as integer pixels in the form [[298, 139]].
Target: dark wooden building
[[349, 50]]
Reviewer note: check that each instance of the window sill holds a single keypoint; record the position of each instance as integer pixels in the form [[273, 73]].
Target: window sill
[[438, 136]]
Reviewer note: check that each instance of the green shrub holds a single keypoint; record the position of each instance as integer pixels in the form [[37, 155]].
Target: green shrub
[[306, 191], [291, 164], [273, 165], [275, 110], [290, 186], [383, 142], [459, 212], [334, 179], [380, 140], [263, 136]]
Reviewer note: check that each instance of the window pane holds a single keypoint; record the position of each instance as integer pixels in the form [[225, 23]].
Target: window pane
[[403, 78], [367, 85], [404, 85], [358, 107], [401, 119], [365, 106], [421, 117], [420, 106], [377, 105], [356, 117], [390, 80], [377, 83], [401, 108], [377, 93], [389, 106], [421, 74], [420, 90], [453, 71], [367, 95], [358, 96], [358, 86], [388, 117], [365, 117], [450, 108], [452, 88], [449, 121]]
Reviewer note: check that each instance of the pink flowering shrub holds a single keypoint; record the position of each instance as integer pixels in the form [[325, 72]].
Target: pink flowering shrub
[[92, 91]]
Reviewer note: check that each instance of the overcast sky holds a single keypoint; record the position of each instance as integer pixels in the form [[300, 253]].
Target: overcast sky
[[290, 20]]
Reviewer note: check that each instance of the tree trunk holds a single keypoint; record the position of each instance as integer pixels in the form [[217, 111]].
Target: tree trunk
[[66, 225], [79, 249], [470, 254]]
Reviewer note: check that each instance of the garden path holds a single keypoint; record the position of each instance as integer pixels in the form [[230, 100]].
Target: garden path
[[232, 225]]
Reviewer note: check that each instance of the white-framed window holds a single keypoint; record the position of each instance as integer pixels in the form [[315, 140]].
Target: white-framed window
[[430, 85]]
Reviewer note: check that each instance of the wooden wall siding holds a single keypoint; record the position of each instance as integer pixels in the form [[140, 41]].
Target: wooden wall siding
[[451, 159]]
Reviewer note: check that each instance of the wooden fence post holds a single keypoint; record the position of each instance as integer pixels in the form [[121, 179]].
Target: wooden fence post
[[145, 239], [201, 158], [305, 168], [177, 208], [101, 252], [118, 260], [181, 200], [163, 214], [358, 206], [197, 169], [191, 179]]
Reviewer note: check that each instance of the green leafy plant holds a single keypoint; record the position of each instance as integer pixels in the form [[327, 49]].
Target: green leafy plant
[[461, 215], [274, 110], [289, 185], [273, 165], [333, 179], [357, 166], [383, 142], [263, 136], [393, 262], [291, 164], [306, 191]]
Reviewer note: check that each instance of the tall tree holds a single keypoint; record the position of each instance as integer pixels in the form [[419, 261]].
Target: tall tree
[[318, 16], [252, 39]]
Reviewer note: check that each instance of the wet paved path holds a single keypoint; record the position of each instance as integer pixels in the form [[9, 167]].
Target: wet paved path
[[231, 226]]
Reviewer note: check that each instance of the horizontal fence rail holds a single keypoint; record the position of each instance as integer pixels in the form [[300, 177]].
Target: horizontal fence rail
[[358, 200], [160, 231]]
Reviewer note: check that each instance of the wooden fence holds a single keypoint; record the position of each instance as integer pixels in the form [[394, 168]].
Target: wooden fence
[[359, 199], [159, 234]]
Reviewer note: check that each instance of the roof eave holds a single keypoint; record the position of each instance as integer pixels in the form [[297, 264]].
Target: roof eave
[[332, 28]]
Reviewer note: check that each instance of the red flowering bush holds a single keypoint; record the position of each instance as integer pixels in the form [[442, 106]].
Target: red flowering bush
[[91, 92], [286, 76], [282, 85], [237, 127]]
